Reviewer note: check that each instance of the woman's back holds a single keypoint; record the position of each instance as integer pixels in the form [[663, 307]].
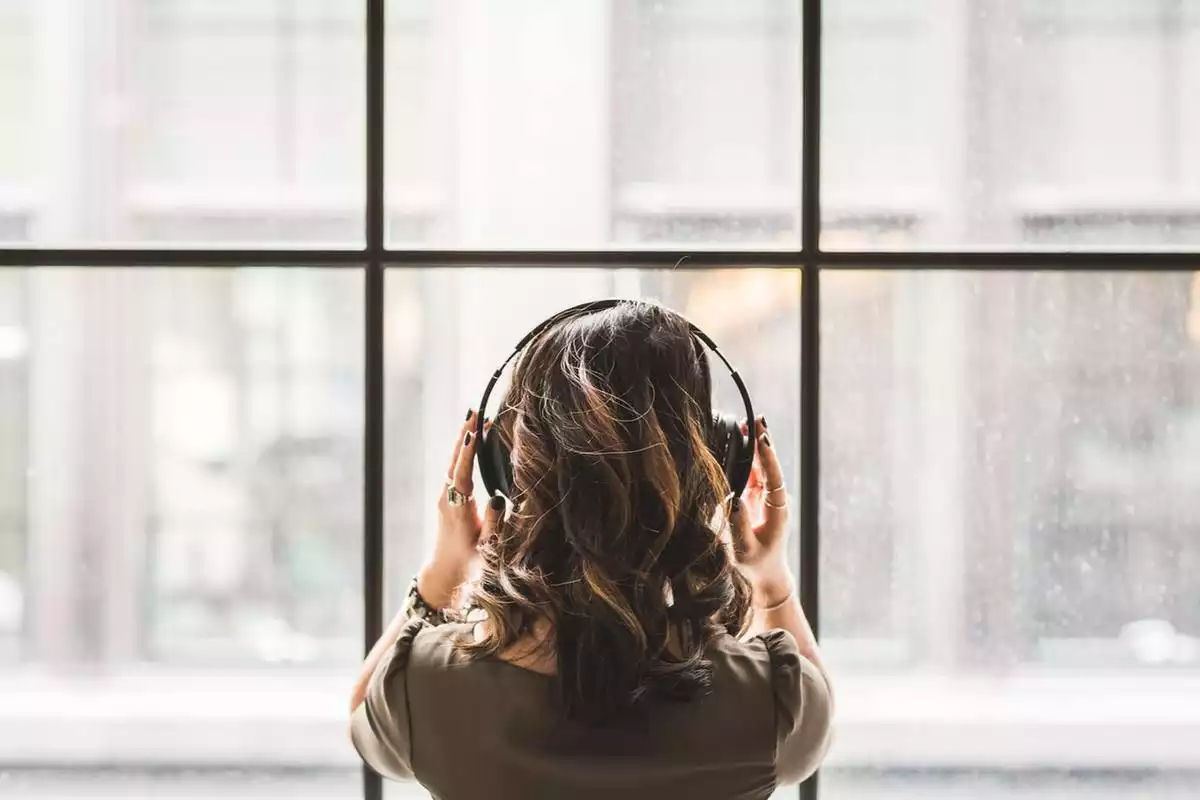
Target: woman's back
[[488, 728]]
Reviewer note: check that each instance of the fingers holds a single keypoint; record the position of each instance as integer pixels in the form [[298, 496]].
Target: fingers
[[775, 496], [772, 472], [460, 473], [755, 481], [468, 424], [463, 475]]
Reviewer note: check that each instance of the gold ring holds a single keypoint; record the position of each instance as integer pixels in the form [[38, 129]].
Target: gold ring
[[769, 504], [456, 498], [778, 488]]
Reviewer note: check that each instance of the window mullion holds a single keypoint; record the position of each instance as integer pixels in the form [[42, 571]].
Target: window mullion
[[373, 332]]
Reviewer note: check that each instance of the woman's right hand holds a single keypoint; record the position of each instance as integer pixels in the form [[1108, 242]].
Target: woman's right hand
[[759, 526]]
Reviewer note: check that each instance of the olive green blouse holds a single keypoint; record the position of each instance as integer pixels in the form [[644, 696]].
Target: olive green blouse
[[486, 728]]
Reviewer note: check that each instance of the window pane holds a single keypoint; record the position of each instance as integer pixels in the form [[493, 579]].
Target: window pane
[[17, 134], [14, 379], [180, 529], [179, 121], [1011, 458], [955, 123], [594, 124], [450, 329]]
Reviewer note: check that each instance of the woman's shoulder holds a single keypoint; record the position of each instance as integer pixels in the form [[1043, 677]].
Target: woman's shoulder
[[772, 660], [425, 646], [763, 654], [802, 700]]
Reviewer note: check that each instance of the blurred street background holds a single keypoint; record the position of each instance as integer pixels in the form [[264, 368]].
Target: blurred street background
[[1010, 485]]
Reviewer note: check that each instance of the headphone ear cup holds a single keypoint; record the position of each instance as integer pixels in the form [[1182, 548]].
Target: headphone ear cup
[[495, 463], [734, 450]]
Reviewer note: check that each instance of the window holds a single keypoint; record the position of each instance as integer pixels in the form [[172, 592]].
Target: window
[[1012, 140], [1009, 454], [178, 565], [977, 312], [183, 122], [1040, 413], [707, 117], [622, 123]]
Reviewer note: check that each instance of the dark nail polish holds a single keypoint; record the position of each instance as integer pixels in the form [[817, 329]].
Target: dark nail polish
[[497, 503], [764, 422], [467, 439], [469, 413], [766, 440]]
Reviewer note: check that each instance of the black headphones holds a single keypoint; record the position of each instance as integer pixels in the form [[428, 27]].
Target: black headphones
[[733, 449]]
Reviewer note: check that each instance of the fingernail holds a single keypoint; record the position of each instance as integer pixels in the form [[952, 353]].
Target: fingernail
[[467, 439], [469, 413], [766, 440], [764, 422], [497, 503]]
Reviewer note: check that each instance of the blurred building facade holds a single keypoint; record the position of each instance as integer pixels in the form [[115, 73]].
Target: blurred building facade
[[1010, 462]]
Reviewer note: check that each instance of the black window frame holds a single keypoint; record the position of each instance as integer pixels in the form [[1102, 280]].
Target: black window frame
[[375, 258]]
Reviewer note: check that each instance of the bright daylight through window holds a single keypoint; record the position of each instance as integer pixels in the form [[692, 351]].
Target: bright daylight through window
[[1009, 510]]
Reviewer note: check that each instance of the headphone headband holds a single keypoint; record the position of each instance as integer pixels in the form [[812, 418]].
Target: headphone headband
[[739, 472]]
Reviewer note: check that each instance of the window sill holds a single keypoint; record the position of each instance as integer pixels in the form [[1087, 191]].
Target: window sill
[[1027, 721]]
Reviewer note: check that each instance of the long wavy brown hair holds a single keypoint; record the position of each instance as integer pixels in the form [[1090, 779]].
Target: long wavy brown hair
[[615, 534]]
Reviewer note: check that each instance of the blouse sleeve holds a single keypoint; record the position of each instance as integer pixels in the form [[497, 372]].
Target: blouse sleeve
[[380, 727], [803, 709]]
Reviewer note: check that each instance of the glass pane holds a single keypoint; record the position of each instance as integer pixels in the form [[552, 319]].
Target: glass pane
[[1010, 566], [180, 531], [449, 329], [594, 124], [18, 133], [968, 123], [179, 121]]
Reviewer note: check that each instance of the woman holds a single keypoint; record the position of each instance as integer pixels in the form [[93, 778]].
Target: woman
[[638, 632]]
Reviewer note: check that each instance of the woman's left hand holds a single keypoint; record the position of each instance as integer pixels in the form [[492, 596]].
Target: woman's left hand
[[460, 525]]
